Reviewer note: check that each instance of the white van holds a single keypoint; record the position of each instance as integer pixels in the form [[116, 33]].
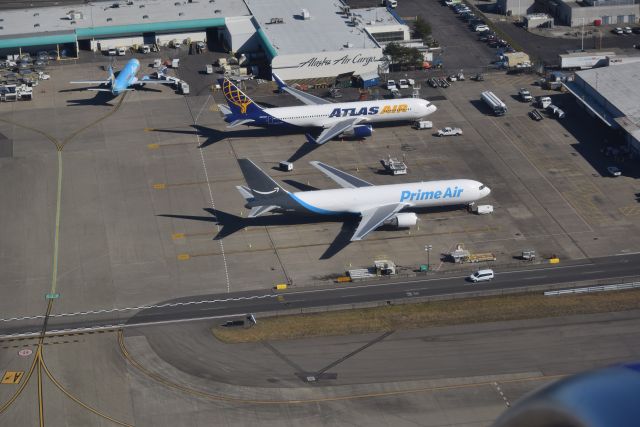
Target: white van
[[482, 275], [422, 124], [122, 51]]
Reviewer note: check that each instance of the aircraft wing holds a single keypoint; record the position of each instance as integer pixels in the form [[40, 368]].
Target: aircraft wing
[[334, 130], [373, 218], [305, 97], [342, 178], [91, 82]]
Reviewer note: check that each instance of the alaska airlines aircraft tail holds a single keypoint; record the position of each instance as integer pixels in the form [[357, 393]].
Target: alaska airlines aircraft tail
[[263, 194], [243, 109]]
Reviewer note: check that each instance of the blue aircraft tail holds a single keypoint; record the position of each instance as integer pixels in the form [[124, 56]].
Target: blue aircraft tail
[[242, 107]]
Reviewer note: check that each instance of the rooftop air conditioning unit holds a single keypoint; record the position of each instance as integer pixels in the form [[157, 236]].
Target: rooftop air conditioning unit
[[74, 15], [348, 44], [305, 14]]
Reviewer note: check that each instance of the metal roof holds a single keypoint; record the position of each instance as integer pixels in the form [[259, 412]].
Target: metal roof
[[619, 85], [134, 16], [376, 16], [326, 30]]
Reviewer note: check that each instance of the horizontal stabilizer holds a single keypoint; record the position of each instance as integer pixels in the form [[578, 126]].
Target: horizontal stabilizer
[[245, 192], [99, 90], [224, 109], [239, 122], [260, 210]]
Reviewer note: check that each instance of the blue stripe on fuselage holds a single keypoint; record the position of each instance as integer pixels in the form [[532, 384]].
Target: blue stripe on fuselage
[[315, 209]]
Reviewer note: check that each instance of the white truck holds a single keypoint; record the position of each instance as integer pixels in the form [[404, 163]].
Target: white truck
[[449, 131], [499, 108], [525, 95], [584, 60]]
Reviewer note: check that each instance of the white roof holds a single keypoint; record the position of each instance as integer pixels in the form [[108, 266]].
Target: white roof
[[619, 85], [23, 21], [375, 16], [326, 30]]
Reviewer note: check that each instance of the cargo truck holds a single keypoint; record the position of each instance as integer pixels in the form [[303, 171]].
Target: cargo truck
[[499, 108]]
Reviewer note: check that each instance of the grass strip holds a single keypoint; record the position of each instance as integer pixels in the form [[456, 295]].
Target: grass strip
[[428, 314]]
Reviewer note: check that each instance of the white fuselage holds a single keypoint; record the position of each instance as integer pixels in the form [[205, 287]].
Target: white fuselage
[[326, 115], [414, 195]]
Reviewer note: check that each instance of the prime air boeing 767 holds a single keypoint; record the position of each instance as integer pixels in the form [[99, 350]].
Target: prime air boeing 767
[[126, 78], [345, 118], [375, 204]]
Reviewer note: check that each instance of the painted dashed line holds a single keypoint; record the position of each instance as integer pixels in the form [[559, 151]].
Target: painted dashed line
[[142, 307], [501, 393]]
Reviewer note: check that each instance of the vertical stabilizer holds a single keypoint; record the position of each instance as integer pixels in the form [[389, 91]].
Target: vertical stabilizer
[[240, 104]]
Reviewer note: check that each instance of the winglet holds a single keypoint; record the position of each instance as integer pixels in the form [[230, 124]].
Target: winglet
[[310, 139], [279, 81]]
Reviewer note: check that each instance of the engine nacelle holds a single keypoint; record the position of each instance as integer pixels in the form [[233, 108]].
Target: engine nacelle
[[402, 220], [360, 131]]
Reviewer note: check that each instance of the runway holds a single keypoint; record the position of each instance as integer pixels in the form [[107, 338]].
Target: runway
[[606, 270]]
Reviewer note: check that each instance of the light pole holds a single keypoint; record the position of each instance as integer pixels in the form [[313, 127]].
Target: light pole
[[582, 38], [428, 249]]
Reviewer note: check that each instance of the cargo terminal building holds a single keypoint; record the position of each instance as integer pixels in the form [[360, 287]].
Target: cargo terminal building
[[611, 94], [299, 39]]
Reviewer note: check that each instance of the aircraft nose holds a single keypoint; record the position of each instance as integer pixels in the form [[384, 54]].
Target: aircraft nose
[[432, 108]]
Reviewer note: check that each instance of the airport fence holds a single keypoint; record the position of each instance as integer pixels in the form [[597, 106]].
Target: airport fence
[[601, 288]]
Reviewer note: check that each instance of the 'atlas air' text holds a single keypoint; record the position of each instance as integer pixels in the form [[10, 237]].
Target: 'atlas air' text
[[370, 111]]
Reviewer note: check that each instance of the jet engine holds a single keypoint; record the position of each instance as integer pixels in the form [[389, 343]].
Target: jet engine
[[360, 131], [402, 220]]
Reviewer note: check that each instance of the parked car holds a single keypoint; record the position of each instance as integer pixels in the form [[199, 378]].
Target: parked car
[[636, 30], [627, 30], [432, 82], [403, 84], [448, 131], [391, 84], [617, 30], [481, 27], [614, 171]]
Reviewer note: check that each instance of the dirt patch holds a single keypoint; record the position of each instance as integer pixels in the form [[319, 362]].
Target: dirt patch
[[422, 315]]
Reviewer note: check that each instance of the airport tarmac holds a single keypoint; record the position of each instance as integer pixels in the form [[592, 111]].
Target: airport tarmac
[[178, 374], [138, 159], [88, 181]]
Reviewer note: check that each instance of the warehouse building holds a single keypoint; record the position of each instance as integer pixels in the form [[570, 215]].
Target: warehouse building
[[300, 39], [611, 94], [576, 13]]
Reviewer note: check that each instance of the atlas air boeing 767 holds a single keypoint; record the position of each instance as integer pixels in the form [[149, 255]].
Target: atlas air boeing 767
[[375, 204], [345, 118], [126, 78]]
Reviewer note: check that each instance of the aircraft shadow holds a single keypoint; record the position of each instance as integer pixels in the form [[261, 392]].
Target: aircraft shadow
[[213, 136], [231, 224], [101, 98]]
